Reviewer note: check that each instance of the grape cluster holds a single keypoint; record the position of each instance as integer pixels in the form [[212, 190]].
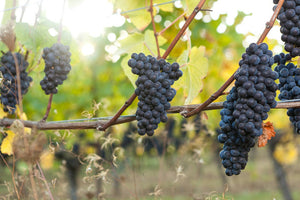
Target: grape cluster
[[289, 17], [247, 106], [289, 85], [153, 90], [57, 66], [9, 88]]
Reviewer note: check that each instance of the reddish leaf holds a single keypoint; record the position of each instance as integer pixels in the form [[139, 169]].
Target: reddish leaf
[[268, 133]]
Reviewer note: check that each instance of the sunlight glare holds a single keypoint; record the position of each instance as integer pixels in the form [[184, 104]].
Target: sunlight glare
[[53, 32], [87, 49], [111, 37], [90, 17]]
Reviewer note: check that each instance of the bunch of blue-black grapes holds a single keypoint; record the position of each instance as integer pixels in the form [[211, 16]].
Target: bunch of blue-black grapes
[[289, 85], [289, 17], [247, 106], [9, 87], [57, 66], [153, 90]]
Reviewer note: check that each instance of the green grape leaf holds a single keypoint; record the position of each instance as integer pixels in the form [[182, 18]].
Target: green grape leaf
[[132, 43], [34, 38], [193, 72], [128, 5], [138, 42], [189, 5], [183, 58], [140, 18], [149, 41]]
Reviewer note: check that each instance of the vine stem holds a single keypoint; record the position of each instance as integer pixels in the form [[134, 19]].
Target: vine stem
[[60, 125], [23, 10], [162, 31], [170, 48], [154, 28], [183, 29], [123, 108], [219, 92], [270, 24], [48, 108], [61, 22], [18, 85], [38, 14], [13, 12]]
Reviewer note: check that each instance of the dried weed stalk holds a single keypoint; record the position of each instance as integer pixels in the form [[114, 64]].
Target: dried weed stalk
[[8, 37], [27, 147]]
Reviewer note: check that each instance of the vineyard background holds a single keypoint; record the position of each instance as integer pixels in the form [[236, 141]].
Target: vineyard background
[[183, 162]]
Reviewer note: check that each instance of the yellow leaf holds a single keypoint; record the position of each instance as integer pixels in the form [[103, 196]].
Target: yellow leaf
[[22, 116], [193, 72], [139, 150], [2, 113], [89, 150], [47, 159], [6, 146], [286, 153]]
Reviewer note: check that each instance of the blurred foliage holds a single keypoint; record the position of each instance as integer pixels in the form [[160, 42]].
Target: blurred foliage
[[99, 84]]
